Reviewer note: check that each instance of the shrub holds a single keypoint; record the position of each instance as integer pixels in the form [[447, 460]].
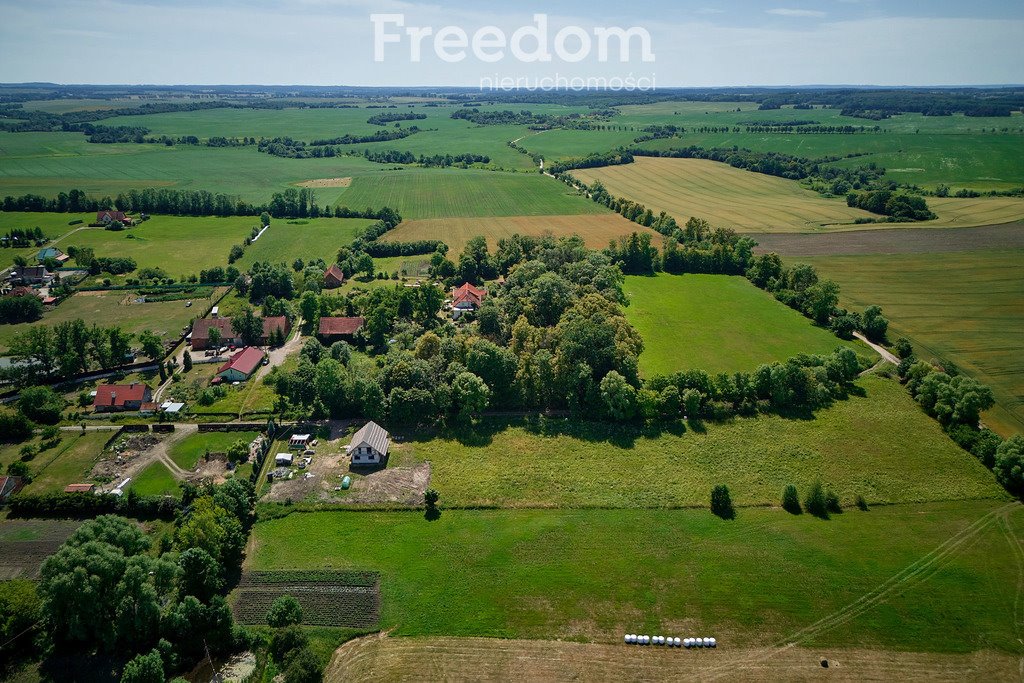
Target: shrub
[[18, 469], [862, 504], [815, 503], [285, 611], [285, 640], [721, 502], [791, 500], [832, 502], [1009, 464], [27, 452], [303, 667], [14, 427]]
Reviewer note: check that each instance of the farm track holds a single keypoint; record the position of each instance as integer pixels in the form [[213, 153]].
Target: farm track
[[911, 575]]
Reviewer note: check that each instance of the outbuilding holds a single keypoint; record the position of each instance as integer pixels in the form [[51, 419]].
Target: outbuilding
[[299, 441], [283, 459], [241, 365]]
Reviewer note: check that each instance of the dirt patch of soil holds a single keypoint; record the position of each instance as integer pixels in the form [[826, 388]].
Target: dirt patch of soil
[[126, 451], [403, 485], [326, 182], [379, 657]]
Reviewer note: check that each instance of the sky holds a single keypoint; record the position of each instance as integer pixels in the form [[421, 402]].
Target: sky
[[690, 43]]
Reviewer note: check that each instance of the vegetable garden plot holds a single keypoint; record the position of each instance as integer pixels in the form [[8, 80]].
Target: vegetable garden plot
[[25, 545], [328, 598]]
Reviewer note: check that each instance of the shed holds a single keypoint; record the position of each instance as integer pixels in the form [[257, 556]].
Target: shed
[[299, 441], [283, 459], [79, 488]]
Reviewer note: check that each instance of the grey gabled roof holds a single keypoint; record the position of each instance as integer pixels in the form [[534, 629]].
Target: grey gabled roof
[[375, 436]]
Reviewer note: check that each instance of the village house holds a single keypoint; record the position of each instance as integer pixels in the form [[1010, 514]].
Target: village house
[[339, 329], [201, 331], [274, 323], [110, 216], [467, 298], [51, 253], [334, 277], [31, 275], [22, 290], [120, 397], [369, 446], [241, 365]]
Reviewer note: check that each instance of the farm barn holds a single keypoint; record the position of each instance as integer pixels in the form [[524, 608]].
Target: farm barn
[[339, 329], [242, 365]]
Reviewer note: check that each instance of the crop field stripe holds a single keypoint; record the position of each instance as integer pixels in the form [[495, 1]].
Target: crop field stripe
[[596, 230]]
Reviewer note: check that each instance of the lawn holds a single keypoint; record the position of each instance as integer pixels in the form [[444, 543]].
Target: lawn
[[187, 452], [717, 323], [69, 462], [963, 307], [180, 245], [156, 480], [285, 241], [879, 445], [593, 575], [597, 230], [435, 193], [165, 318]]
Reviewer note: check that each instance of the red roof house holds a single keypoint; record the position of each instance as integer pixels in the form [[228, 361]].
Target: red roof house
[[118, 397], [467, 297], [79, 488], [241, 365], [338, 329], [109, 216], [270, 324], [201, 332], [334, 277]]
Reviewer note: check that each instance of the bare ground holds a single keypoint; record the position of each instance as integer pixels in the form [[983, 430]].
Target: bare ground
[[380, 657], [894, 241], [326, 182], [142, 450]]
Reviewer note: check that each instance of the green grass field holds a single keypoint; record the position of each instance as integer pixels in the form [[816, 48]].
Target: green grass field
[[180, 245], [156, 480], [307, 239], [187, 452], [717, 323], [53, 225], [165, 318], [880, 445], [69, 462], [594, 575], [964, 307], [433, 193]]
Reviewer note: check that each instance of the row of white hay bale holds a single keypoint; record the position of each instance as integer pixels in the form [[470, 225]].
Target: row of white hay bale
[[669, 641]]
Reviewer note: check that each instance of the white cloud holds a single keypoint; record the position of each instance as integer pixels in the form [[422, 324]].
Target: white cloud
[[787, 12]]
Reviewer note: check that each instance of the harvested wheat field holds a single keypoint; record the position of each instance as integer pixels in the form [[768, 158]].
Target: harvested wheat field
[[725, 196], [326, 182], [379, 657], [597, 230]]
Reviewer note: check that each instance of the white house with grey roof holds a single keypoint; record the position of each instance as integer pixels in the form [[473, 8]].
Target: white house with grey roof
[[369, 446]]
